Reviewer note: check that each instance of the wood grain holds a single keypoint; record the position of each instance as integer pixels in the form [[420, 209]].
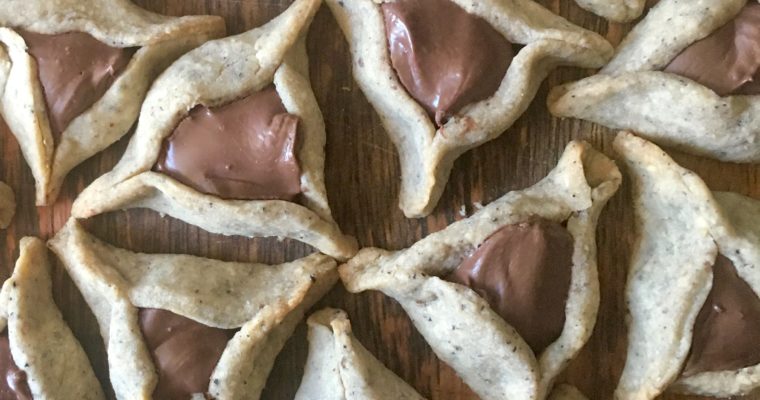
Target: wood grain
[[362, 178]]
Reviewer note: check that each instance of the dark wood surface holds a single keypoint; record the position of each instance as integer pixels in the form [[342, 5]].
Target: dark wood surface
[[362, 179]]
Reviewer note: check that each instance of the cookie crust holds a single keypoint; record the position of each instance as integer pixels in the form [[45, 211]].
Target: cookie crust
[[460, 326], [41, 343], [632, 94], [118, 23], [614, 10], [264, 302], [216, 73], [427, 154], [682, 226], [340, 368]]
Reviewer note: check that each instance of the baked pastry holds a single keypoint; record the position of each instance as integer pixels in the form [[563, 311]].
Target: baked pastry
[[693, 284], [39, 356], [7, 205], [73, 74], [251, 90], [684, 77], [496, 55], [541, 243], [340, 368], [177, 326], [566, 392], [614, 10]]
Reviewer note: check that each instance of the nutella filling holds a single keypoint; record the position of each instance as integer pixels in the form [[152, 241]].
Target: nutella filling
[[727, 61], [445, 57], [185, 352], [523, 271], [727, 329], [13, 384], [75, 70], [243, 150]]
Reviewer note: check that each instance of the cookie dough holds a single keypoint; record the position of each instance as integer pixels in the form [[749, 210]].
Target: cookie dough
[[464, 331], [698, 251], [56, 125], [340, 368], [258, 306], [220, 73], [636, 92], [427, 151], [47, 360]]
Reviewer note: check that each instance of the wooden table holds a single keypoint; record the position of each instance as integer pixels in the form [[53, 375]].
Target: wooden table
[[362, 175]]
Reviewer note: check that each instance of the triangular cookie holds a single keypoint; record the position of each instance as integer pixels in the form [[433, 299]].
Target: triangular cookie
[[223, 73], [464, 331], [51, 361], [7, 205], [643, 90], [340, 368], [685, 233], [48, 103], [614, 10], [427, 151], [256, 306]]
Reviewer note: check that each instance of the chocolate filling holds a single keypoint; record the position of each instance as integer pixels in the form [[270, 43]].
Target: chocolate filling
[[727, 328], [445, 57], [13, 385], [727, 61], [523, 271], [242, 150], [75, 70], [185, 352]]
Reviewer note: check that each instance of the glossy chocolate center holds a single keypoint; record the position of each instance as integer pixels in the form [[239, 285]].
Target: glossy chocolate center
[[75, 70], [13, 384], [727, 61], [242, 150], [445, 57], [185, 352], [727, 329], [523, 271]]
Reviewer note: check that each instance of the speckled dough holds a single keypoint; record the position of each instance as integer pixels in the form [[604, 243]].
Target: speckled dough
[[682, 226], [614, 10], [426, 154], [118, 23], [340, 368], [486, 352], [41, 343], [216, 73], [666, 108], [264, 302], [7, 205]]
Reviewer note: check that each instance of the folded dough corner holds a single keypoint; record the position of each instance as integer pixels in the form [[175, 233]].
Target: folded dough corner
[[39, 354], [490, 336], [75, 72], [201, 155], [686, 77], [340, 368], [614, 10], [433, 119], [693, 283], [177, 325]]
